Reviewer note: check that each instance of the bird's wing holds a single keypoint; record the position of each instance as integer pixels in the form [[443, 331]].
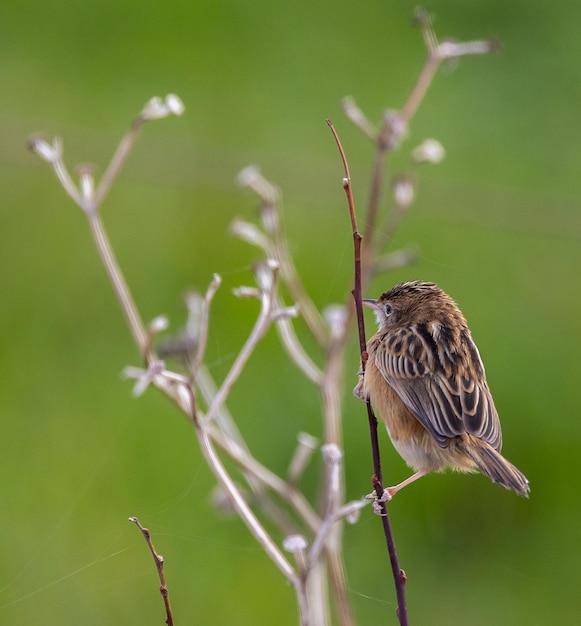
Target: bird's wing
[[445, 390]]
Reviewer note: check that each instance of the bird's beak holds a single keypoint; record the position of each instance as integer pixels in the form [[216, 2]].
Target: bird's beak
[[372, 304]]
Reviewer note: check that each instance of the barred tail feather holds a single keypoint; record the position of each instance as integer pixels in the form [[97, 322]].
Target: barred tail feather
[[496, 467]]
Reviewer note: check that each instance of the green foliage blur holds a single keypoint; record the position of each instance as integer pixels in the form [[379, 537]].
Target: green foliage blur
[[498, 226]]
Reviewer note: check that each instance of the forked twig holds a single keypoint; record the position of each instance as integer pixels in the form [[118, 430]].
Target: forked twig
[[158, 559], [398, 575]]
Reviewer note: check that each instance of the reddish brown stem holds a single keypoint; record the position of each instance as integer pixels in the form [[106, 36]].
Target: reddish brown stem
[[158, 559], [398, 576]]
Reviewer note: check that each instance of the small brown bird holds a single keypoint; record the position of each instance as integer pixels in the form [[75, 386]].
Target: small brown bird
[[425, 377]]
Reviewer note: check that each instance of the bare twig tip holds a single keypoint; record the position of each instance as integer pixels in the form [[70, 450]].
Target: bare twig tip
[[158, 108], [46, 151], [246, 292]]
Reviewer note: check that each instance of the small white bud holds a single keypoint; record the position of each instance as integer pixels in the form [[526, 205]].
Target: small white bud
[[44, 150], [269, 217], [455, 49], [248, 176], [295, 543], [154, 109], [285, 313], [403, 192], [430, 151], [264, 273], [250, 233], [393, 130], [251, 177], [86, 181], [158, 324], [174, 104], [246, 292], [157, 108], [332, 453]]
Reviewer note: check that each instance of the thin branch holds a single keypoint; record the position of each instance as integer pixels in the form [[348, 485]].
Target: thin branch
[[356, 116], [156, 108], [243, 510], [266, 276], [373, 201], [277, 247], [295, 349], [118, 159], [177, 387], [158, 559], [399, 579], [438, 52], [202, 331], [420, 88], [250, 233], [346, 511], [53, 154], [249, 464], [230, 440], [128, 306], [301, 457]]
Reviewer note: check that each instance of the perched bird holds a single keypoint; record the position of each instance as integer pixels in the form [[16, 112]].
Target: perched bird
[[425, 378]]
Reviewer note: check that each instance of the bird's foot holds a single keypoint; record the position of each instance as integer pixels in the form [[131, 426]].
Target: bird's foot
[[359, 392], [378, 503]]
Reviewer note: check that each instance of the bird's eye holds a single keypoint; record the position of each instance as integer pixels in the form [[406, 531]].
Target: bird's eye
[[388, 310]]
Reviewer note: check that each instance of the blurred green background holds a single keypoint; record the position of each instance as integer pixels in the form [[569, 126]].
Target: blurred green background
[[498, 224]]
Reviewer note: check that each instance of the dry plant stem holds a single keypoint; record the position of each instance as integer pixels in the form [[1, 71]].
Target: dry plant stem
[[260, 327], [65, 178], [328, 381], [419, 90], [204, 322], [254, 526], [158, 559], [179, 389], [334, 489], [301, 457], [251, 234], [278, 249], [373, 207], [290, 277], [331, 397], [236, 448], [428, 70], [356, 116], [330, 389], [295, 349], [396, 570], [437, 52], [134, 321], [118, 160], [321, 538], [242, 508]]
